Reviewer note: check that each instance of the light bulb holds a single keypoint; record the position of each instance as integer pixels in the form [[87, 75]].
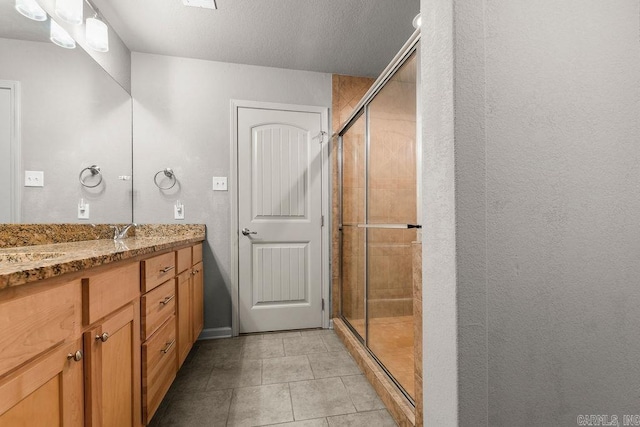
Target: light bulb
[[60, 36], [31, 9], [417, 21], [97, 35], [70, 11]]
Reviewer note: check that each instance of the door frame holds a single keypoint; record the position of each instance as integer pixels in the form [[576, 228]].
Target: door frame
[[15, 163], [233, 190]]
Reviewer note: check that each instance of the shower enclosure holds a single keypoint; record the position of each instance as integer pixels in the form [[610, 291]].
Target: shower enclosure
[[379, 220]]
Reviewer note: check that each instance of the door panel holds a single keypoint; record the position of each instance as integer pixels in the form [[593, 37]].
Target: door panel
[[279, 199]]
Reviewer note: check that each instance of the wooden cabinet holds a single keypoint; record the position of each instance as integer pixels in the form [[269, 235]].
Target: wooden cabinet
[[190, 294], [101, 348], [184, 316], [197, 300], [47, 392], [158, 367], [112, 380]]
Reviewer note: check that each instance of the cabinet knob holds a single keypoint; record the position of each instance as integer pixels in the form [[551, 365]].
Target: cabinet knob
[[77, 356], [104, 337]]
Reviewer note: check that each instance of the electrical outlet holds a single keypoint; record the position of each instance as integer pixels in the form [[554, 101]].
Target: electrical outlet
[[33, 178], [219, 183], [83, 210], [178, 211]]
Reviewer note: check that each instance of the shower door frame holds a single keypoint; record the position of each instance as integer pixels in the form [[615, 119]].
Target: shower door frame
[[362, 109]]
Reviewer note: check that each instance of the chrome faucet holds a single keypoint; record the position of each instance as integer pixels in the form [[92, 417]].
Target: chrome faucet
[[121, 233]]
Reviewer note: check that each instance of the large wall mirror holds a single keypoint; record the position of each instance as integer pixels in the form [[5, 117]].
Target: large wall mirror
[[61, 114]]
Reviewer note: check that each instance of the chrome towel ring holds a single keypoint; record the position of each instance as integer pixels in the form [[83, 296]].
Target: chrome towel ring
[[95, 170], [168, 172]]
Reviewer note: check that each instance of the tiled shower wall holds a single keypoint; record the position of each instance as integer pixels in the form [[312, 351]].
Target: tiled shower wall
[[392, 198]]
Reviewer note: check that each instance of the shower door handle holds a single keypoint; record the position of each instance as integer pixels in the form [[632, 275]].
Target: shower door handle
[[246, 231], [397, 226]]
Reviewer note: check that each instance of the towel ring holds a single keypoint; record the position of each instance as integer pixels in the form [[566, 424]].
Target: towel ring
[[168, 172], [95, 170]]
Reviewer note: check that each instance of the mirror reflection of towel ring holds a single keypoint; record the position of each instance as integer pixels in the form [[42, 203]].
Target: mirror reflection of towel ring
[[168, 172], [95, 170]]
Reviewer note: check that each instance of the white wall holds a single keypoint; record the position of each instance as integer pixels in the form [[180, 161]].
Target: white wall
[[547, 118], [73, 115], [182, 120]]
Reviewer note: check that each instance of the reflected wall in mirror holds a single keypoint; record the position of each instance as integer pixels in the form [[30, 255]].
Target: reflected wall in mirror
[[60, 113]]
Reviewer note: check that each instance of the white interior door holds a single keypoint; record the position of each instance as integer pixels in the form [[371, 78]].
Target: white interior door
[[279, 203]]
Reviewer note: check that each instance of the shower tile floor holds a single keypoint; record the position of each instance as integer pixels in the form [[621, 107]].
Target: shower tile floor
[[391, 340], [299, 379]]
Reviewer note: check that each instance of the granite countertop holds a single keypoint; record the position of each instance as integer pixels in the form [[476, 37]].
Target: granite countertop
[[25, 264]]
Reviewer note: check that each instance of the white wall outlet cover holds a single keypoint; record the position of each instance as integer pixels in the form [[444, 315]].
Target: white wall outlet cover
[[219, 183], [83, 211], [33, 178], [178, 211]]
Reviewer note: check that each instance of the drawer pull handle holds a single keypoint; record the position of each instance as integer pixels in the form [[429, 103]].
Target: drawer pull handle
[[168, 347], [166, 300], [77, 356], [164, 270], [104, 337]]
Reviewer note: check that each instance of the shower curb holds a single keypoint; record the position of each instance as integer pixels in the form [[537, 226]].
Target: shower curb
[[398, 405]]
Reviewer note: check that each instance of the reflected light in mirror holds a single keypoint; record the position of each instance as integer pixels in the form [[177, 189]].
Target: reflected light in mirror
[[60, 36], [70, 11], [97, 35], [31, 9]]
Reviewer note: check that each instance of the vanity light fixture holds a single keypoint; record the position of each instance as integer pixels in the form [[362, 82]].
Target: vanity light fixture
[[31, 9], [97, 34], [417, 21], [70, 11], [60, 36], [205, 4]]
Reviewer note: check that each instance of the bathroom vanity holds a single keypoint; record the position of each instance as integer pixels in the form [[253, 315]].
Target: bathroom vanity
[[93, 332]]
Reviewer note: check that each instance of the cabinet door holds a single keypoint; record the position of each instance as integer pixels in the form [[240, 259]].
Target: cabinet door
[[47, 392], [112, 387], [197, 300], [184, 328]]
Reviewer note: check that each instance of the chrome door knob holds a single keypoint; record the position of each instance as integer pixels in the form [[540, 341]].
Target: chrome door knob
[[246, 231]]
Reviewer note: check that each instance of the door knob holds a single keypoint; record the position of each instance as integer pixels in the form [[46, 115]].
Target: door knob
[[246, 231]]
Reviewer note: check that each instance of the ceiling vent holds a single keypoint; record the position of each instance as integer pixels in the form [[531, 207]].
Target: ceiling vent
[[207, 4]]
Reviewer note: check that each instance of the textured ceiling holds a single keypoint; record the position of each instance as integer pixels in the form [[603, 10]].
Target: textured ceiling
[[355, 37]]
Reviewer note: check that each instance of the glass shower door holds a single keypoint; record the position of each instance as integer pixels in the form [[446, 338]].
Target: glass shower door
[[353, 237], [392, 203]]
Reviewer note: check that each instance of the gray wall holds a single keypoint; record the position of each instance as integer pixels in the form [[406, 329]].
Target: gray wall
[[73, 115], [547, 116], [182, 120]]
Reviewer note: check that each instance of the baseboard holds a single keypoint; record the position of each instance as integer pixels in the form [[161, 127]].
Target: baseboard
[[215, 333]]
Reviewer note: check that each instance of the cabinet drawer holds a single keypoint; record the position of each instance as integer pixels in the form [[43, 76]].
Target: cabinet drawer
[[197, 253], [105, 292], [158, 270], [183, 259], [158, 367], [157, 306], [35, 319]]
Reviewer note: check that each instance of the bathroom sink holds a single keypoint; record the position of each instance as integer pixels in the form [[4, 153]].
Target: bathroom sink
[[16, 257]]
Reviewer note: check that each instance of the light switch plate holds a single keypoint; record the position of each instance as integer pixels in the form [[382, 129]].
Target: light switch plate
[[33, 178], [219, 183]]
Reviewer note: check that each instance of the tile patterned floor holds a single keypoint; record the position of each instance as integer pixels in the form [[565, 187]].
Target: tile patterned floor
[[297, 379]]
